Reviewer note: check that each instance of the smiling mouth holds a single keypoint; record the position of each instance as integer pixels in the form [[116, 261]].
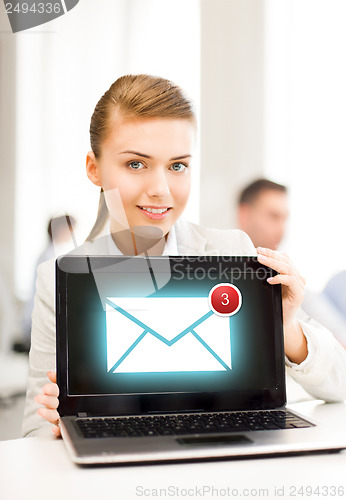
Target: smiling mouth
[[152, 210], [155, 213]]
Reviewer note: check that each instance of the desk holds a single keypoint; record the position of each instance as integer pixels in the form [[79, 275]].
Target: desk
[[37, 468]]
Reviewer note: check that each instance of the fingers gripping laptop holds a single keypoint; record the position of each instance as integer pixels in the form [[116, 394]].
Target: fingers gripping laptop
[[173, 358]]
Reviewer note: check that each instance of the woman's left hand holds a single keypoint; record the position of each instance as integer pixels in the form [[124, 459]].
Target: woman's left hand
[[293, 285]]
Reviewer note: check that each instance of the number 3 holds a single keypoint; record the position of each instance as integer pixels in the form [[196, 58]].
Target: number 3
[[225, 297]]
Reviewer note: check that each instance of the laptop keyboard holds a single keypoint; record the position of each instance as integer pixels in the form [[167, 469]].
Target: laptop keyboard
[[176, 425]]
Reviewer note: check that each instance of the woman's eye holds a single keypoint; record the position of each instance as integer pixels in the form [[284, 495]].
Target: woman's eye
[[136, 165], [178, 167]]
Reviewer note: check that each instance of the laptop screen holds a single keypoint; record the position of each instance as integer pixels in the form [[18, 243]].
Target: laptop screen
[[140, 332]]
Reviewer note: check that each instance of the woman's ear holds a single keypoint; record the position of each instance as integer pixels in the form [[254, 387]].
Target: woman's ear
[[93, 169]]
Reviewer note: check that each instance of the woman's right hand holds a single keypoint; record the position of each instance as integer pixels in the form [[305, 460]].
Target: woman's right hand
[[50, 402]]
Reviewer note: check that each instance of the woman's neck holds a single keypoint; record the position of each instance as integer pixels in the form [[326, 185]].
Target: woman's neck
[[140, 239]]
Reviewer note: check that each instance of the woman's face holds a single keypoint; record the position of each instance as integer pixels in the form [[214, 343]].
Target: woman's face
[[147, 162]]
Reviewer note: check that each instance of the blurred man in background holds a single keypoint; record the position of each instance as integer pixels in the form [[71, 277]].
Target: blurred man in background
[[60, 241], [263, 212]]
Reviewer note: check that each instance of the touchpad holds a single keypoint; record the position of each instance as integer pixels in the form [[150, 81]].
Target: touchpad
[[233, 439]]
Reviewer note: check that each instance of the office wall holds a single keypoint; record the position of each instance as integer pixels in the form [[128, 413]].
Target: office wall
[[7, 149], [305, 128], [232, 104], [7, 182]]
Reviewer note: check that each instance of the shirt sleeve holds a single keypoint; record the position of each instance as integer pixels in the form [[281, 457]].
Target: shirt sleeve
[[42, 352], [323, 373]]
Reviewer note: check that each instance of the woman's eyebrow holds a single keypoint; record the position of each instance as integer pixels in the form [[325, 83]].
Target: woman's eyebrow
[[147, 156], [181, 157], [135, 153]]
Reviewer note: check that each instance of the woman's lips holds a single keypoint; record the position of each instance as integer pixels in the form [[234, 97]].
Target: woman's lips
[[155, 213]]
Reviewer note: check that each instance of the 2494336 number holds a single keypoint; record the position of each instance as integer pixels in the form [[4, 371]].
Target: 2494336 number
[[317, 491], [35, 8]]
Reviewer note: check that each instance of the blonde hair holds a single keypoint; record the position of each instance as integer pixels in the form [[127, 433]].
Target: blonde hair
[[134, 96]]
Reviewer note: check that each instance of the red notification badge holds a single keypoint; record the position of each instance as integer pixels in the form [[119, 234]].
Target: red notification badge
[[225, 299]]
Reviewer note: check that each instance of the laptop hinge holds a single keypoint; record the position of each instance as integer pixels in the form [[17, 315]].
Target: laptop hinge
[[82, 414]]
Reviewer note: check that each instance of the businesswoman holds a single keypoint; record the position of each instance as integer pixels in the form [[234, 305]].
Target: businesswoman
[[143, 134]]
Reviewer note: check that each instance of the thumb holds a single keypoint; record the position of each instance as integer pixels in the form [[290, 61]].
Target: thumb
[[52, 376]]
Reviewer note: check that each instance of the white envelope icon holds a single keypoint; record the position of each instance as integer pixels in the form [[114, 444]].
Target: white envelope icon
[[165, 334]]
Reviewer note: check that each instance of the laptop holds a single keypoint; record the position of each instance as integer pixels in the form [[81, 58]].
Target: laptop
[[174, 358]]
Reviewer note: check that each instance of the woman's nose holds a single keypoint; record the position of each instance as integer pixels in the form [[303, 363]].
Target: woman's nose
[[158, 185]]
